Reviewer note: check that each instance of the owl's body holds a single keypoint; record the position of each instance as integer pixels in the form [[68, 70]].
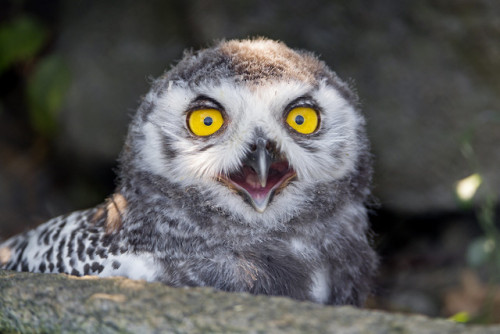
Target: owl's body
[[265, 193]]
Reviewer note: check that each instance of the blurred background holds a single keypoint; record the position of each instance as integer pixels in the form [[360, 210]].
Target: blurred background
[[427, 71]]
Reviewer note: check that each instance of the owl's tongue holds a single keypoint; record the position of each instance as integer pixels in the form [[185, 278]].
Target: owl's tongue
[[260, 192]]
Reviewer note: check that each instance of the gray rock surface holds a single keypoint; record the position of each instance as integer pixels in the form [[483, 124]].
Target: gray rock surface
[[426, 71], [39, 303], [112, 49]]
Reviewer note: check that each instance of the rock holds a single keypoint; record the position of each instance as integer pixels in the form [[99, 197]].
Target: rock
[[36, 303], [112, 52]]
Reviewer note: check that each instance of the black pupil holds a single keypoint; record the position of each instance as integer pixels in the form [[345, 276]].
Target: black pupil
[[208, 121], [299, 119]]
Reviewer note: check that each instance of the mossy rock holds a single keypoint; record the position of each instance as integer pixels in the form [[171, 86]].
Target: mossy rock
[[41, 303]]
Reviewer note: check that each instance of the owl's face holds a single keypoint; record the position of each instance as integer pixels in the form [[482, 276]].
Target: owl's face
[[256, 148]]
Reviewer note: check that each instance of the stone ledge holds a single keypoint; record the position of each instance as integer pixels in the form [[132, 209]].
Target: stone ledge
[[38, 303]]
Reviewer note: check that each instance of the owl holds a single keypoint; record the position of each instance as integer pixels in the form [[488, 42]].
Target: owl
[[246, 168]]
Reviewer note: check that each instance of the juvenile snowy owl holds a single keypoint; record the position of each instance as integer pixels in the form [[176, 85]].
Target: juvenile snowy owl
[[246, 168]]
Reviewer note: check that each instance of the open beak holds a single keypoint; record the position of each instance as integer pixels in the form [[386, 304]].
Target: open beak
[[263, 174]]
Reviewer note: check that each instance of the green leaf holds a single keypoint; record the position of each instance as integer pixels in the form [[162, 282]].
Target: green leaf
[[46, 91], [20, 40], [461, 317]]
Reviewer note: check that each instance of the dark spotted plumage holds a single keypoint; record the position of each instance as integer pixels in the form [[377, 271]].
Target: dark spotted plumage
[[257, 206]]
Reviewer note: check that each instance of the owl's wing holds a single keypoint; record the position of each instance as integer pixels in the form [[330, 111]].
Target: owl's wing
[[75, 244]]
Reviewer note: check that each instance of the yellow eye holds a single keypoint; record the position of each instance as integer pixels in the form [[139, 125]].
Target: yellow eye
[[303, 120], [205, 122]]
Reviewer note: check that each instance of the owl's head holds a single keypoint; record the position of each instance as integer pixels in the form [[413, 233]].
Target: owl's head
[[253, 126]]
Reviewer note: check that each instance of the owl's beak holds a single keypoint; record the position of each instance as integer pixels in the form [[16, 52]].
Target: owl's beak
[[263, 174], [260, 158]]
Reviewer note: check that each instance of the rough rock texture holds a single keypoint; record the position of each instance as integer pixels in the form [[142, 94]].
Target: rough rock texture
[[36, 303]]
